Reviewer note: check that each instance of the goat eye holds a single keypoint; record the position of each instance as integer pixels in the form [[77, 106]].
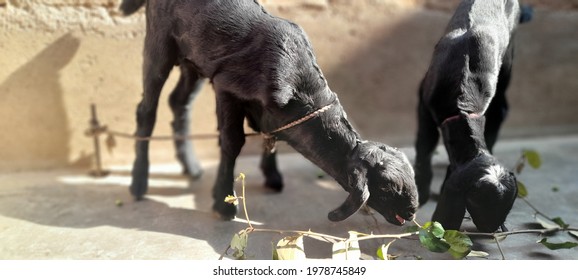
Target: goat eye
[[381, 164]]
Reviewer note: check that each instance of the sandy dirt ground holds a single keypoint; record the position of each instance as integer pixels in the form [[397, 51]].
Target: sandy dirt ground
[[67, 214]]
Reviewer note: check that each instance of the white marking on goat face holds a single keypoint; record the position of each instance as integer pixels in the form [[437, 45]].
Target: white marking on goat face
[[456, 33], [493, 174]]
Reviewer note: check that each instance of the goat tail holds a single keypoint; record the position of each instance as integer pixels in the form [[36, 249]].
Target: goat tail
[[129, 7]]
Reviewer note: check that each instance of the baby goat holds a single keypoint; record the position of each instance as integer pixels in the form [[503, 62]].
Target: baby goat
[[464, 94], [262, 68]]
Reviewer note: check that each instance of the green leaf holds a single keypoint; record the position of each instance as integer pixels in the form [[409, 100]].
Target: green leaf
[[435, 228], [118, 203], [232, 200], [239, 244], [275, 255], [560, 222], [433, 243], [522, 191], [478, 254], [555, 188], [547, 224], [430, 236], [557, 246], [533, 158], [291, 248], [460, 244], [347, 250], [382, 251]]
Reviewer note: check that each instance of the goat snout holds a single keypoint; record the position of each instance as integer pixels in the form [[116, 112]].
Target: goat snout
[[490, 201], [392, 187]]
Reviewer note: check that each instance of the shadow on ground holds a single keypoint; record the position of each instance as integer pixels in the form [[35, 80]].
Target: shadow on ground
[[72, 203], [69, 215]]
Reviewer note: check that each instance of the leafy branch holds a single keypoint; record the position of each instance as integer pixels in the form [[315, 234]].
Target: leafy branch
[[431, 235], [550, 225]]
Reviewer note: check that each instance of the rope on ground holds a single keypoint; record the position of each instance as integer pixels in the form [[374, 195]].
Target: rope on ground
[[112, 134]]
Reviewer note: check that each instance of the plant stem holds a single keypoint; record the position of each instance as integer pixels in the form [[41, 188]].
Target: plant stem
[[535, 209], [318, 236], [225, 252], [500, 248], [335, 239], [500, 234], [383, 236], [242, 177]]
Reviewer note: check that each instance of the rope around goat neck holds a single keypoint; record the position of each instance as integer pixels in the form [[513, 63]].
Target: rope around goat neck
[[270, 140], [297, 122]]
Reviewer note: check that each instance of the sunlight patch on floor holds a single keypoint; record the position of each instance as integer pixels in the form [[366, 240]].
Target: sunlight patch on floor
[[120, 180]]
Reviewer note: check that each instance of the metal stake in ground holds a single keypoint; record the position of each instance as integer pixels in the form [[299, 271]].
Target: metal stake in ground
[[95, 130]]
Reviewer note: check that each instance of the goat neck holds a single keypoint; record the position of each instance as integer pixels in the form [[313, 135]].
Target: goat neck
[[329, 141], [463, 137]]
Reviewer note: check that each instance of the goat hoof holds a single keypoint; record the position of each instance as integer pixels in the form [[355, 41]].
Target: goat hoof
[[225, 211], [274, 183], [221, 217], [193, 174], [138, 189]]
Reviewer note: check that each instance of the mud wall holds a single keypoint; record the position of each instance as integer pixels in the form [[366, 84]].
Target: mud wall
[[59, 56]]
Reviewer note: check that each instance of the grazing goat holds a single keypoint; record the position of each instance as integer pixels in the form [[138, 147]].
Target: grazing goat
[[262, 68], [464, 95]]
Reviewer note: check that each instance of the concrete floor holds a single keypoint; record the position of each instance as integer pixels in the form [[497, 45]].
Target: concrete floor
[[66, 214]]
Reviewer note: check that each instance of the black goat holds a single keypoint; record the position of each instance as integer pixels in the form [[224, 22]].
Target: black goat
[[262, 68], [464, 94]]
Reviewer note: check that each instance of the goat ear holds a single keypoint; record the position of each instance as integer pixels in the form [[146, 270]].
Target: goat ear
[[358, 195]]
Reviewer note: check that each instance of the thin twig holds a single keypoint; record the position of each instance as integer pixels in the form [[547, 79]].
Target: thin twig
[[242, 177], [500, 248], [224, 253], [329, 238], [383, 236], [535, 209], [334, 239], [524, 231]]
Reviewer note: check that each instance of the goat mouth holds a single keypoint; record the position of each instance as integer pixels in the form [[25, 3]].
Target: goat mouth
[[396, 219]]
